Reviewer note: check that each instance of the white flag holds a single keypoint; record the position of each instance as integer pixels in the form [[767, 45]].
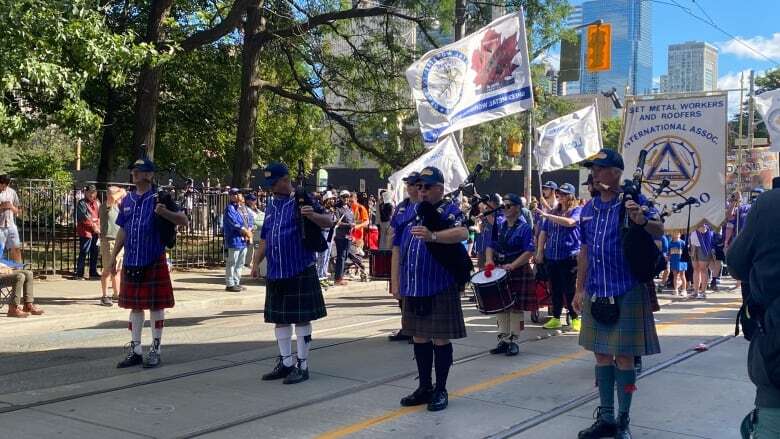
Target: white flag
[[567, 140], [768, 105], [445, 156], [481, 77]]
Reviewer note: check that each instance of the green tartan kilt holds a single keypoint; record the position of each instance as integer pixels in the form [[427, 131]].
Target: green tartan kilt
[[444, 321], [294, 300], [634, 333]]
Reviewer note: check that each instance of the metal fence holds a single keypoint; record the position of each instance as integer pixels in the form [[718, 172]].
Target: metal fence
[[47, 226]]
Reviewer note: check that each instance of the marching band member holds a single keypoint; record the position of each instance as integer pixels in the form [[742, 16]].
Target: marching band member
[[513, 249], [404, 211], [146, 280], [559, 244], [293, 294], [432, 313], [607, 291]]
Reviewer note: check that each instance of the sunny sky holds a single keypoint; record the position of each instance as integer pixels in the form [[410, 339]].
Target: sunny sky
[[756, 22]]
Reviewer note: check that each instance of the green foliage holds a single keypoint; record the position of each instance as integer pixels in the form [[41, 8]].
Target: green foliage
[[769, 81], [49, 49], [610, 132], [47, 153]]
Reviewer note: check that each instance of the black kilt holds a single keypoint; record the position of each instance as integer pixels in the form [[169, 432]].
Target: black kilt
[[294, 300], [444, 321], [152, 291], [634, 333]]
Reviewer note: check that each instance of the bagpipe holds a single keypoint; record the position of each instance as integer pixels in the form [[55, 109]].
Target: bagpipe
[[311, 233], [453, 257], [164, 194], [644, 258]]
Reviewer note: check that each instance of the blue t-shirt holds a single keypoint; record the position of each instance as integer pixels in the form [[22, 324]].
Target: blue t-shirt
[[562, 242]]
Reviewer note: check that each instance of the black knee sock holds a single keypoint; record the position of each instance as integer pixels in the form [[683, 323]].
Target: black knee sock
[[443, 363], [423, 355], [626, 386]]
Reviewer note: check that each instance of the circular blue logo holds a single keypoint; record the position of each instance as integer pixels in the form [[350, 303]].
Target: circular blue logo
[[442, 80]]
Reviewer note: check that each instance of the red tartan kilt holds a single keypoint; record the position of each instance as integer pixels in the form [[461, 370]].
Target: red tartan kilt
[[153, 292], [522, 284]]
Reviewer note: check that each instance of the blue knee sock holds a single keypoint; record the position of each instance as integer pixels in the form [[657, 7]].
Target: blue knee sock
[[605, 379]]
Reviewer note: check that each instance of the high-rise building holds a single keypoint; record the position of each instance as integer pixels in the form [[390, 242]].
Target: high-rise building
[[632, 54], [693, 66], [663, 84]]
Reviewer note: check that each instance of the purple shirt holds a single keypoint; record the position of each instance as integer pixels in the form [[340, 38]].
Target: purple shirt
[[738, 222], [562, 242], [421, 275], [600, 228], [142, 240], [512, 241], [281, 232]]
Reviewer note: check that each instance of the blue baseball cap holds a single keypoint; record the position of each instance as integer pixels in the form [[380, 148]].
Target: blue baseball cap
[[514, 199], [234, 191], [412, 178], [431, 175], [143, 165], [273, 172], [550, 185], [250, 197], [758, 190], [566, 188], [606, 158]]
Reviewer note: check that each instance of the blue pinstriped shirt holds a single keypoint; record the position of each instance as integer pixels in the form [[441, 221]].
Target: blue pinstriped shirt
[[513, 241], [600, 228], [403, 212], [420, 274], [485, 236], [562, 242], [281, 232], [142, 240]]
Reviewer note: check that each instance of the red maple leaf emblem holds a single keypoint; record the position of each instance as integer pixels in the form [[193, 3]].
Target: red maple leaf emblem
[[493, 60]]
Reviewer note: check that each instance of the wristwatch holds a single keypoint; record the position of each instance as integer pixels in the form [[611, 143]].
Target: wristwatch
[[433, 236]]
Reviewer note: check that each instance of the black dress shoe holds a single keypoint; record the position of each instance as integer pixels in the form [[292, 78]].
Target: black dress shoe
[[623, 432], [297, 375], [512, 349], [398, 336], [439, 401], [420, 396], [638, 364], [600, 429], [152, 360], [280, 371], [501, 348]]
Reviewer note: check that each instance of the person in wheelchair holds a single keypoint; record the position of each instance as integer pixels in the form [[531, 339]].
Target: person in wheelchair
[[21, 281]]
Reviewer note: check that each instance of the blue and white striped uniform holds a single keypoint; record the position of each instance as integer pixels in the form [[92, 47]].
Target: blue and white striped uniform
[[421, 275], [403, 212], [512, 241], [142, 240], [562, 242], [234, 220], [600, 228], [281, 231], [485, 236]]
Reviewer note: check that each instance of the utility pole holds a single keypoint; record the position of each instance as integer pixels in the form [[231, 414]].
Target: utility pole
[[460, 32], [751, 109], [527, 157], [738, 146]]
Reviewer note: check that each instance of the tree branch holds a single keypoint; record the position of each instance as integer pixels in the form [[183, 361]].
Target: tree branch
[[232, 21]]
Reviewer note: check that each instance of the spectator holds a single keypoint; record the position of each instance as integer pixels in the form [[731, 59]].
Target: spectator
[[323, 257], [237, 229], [188, 202], [345, 220], [108, 230], [22, 281], [361, 221], [9, 208], [258, 217], [88, 229]]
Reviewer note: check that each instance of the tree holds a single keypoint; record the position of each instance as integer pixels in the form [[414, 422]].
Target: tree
[[610, 132]]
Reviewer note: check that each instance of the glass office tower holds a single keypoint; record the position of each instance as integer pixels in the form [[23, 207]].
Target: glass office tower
[[632, 54]]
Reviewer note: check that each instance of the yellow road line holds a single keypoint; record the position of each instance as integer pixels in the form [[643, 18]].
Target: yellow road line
[[493, 382], [478, 387]]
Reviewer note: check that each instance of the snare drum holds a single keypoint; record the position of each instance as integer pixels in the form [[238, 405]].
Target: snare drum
[[380, 264], [493, 295]]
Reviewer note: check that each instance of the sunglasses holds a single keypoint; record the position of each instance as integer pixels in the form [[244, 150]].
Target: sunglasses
[[426, 187]]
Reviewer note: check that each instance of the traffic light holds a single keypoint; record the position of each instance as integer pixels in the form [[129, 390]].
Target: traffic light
[[599, 49]]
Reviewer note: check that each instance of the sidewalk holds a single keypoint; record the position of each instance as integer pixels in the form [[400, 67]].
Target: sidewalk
[[65, 300]]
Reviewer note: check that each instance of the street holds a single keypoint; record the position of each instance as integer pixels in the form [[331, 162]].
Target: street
[[58, 374]]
